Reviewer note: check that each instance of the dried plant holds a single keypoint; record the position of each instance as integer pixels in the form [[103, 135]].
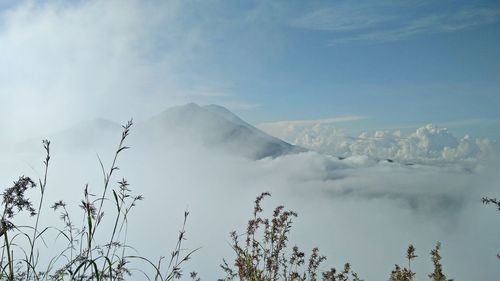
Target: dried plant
[[494, 202], [406, 274], [14, 201], [264, 255], [437, 274], [83, 257]]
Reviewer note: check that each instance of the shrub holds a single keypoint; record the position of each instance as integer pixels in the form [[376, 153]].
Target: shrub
[[264, 253], [495, 202], [406, 274]]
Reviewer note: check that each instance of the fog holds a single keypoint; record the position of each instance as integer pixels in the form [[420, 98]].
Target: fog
[[69, 63], [356, 210]]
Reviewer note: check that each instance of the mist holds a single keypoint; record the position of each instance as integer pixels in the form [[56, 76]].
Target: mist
[[71, 62], [355, 210], [74, 72]]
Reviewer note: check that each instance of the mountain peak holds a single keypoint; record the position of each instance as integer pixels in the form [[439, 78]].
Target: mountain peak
[[216, 126], [190, 105]]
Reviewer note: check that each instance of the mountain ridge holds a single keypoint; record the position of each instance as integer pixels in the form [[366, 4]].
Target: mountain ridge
[[212, 126]]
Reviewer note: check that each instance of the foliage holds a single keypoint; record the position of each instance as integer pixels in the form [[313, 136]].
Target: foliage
[[437, 274], [495, 202], [406, 274], [264, 253]]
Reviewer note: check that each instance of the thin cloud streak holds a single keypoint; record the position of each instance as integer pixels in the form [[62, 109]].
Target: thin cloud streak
[[384, 22], [316, 121]]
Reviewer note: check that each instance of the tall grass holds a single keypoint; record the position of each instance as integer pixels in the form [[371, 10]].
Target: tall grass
[[85, 255]]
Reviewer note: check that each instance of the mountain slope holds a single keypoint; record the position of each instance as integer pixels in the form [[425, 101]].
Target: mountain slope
[[215, 127]]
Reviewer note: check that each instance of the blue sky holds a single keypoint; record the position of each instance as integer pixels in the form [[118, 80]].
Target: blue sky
[[410, 62], [396, 63]]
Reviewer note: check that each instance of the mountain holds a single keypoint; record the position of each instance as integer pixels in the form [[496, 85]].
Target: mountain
[[215, 127], [211, 126]]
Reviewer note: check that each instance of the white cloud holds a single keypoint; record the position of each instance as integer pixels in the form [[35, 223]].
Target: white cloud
[[345, 17], [427, 145], [366, 206], [282, 129], [240, 105]]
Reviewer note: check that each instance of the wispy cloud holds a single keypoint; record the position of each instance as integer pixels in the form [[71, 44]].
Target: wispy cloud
[[282, 129], [240, 105], [342, 18], [316, 121], [472, 122], [386, 21]]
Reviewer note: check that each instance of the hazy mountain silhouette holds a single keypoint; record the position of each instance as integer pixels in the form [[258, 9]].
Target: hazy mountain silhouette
[[212, 126], [215, 127]]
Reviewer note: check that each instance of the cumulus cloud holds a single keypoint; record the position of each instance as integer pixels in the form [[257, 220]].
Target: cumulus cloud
[[429, 144]]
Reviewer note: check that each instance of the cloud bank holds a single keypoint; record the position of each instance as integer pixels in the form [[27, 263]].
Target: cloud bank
[[428, 144], [356, 209]]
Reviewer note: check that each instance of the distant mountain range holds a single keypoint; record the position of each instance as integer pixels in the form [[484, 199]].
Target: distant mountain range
[[212, 126]]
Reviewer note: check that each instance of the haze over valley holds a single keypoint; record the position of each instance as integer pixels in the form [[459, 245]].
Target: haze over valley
[[376, 121], [208, 160]]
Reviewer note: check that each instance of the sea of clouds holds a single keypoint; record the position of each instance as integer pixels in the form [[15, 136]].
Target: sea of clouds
[[358, 209], [428, 144]]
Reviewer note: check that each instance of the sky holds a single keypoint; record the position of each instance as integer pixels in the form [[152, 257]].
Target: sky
[[397, 64], [387, 68]]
